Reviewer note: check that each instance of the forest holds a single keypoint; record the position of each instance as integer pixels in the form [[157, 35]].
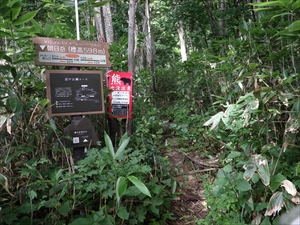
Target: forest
[[214, 134]]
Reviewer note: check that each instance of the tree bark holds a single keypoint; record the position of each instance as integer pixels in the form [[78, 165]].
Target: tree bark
[[182, 42], [222, 19], [131, 47], [104, 25]]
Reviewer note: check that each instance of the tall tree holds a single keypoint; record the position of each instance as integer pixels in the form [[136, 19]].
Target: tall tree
[[104, 23], [182, 41], [131, 47]]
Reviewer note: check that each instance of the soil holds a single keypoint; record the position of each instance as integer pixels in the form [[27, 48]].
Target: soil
[[190, 204]]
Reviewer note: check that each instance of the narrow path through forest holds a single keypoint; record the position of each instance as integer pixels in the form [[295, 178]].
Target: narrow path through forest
[[188, 169]]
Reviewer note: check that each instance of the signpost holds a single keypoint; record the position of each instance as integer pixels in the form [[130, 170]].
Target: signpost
[[75, 53]]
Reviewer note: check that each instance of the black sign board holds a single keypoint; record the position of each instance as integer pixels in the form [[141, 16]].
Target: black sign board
[[81, 134], [74, 92]]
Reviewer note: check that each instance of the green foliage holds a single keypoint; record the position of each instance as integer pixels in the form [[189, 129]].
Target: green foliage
[[108, 187]]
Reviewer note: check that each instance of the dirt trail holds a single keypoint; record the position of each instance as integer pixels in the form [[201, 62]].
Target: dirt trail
[[188, 169]]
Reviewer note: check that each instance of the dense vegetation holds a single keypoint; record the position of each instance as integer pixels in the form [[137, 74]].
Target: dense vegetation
[[235, 97]]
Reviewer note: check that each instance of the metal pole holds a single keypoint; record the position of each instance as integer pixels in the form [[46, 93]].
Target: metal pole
[[77, 19]]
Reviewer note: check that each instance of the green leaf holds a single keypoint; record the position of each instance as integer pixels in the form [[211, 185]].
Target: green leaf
[[44, 102], [285, 3], [275, 181], [15, 9], [9, 218], [263, 4], [154, 210], [123, 138], [13, 100], [242, 185], [122, 148], [233, 155], [250, 170], [132, 191], [52, 124], [64, 209], [32, 171], [295, 26], [4, 34], [227, 169], [140, 185], [174, 186], [109, 146], [100, 4], [263, 169], [123, 213], [56, 188], [4, 183], [83, 221], [296, 5], [121, 187], [37, 26], [32, 194], [25, 18]]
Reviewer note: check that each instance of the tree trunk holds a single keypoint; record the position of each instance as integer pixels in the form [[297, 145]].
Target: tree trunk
[[212, 23], [222, 19], [131, 47], [182, 42], [104, 25]]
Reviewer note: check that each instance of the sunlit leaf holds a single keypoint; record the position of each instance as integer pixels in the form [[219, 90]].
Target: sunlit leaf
[[121, 188], [289, 187], [8, 125], [295, 26], [214, 120], [140, 185], [3, 119], [109, 146], [275, 204], [25, 18], [285, 3], [4, 183], [296, 5], [122, 148], [249, 171], [262, 4], [262, 168], [15, 9], [100, 3], [233, 155]]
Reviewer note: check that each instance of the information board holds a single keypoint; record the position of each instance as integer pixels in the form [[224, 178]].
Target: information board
[[74, 92], [120, 98], [63, 52]]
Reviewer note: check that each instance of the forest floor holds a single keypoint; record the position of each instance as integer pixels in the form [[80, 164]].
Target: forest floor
[[188, 168]]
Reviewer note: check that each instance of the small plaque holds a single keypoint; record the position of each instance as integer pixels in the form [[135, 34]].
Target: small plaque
[[81, 134]]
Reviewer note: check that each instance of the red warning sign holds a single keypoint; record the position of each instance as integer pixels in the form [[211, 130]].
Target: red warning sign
[[120, 98]]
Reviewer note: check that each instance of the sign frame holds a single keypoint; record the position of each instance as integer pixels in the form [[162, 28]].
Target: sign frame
[[75, 53], [79, 101]]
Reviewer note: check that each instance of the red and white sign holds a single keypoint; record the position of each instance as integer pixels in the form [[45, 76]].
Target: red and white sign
[[120, 98]]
